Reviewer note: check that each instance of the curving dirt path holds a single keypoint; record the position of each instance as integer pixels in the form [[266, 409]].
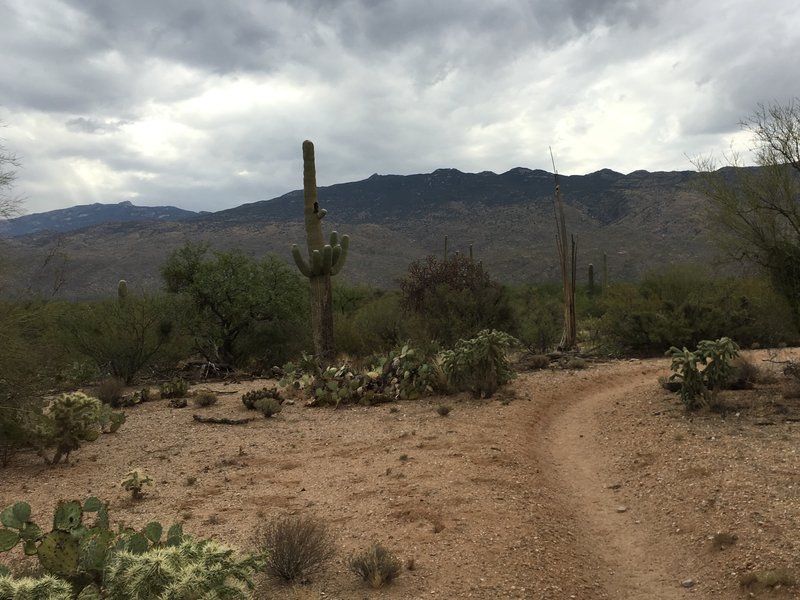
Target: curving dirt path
[[627, 563], [630, 560]]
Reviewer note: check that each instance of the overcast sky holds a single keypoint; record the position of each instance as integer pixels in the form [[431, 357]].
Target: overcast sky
[[204, 104]]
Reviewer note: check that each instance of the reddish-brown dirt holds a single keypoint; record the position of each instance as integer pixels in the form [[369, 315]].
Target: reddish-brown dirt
[[588, 484]]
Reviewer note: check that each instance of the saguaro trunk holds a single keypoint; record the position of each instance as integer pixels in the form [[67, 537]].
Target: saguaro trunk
[[568, 258], [324, 260]]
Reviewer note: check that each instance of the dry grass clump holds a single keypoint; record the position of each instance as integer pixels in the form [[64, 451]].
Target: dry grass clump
[[537, 362], [110, 391], [744, 374], [376, 565], [204, 399], [268, 407], [722, 540], [295, 547], [768, 579]]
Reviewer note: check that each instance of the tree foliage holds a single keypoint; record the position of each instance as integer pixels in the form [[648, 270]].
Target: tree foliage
[[122, 338], [755, 212], [240, 307], [454, 298]]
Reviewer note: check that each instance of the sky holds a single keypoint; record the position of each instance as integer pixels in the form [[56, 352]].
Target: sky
[[204, 104]]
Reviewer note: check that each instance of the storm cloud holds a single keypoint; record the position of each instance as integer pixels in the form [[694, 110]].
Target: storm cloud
[[204, 105]]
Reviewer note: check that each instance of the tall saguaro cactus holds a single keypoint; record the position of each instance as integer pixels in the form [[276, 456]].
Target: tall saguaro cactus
[[324, 260], [568, 258]]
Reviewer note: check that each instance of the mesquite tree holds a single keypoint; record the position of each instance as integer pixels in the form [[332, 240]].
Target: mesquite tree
[[324, 260]]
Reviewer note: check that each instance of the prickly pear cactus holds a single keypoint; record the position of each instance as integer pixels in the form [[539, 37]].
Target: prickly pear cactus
[[59, 553]]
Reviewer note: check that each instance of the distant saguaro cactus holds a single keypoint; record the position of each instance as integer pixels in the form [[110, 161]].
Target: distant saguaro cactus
[[122, 291], [324, 260]]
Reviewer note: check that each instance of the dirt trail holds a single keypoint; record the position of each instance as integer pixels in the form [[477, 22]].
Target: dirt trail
[[632, 561]]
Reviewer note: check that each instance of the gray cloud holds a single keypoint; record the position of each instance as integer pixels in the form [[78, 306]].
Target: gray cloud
[[204, 104]]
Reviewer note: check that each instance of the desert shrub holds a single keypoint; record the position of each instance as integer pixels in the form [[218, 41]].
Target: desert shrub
[[134, 483], [250, 398], [124, 335], [110, 391], [703, 372], [295, 547], [454, 298], [479, 364], [536, 362], [177, 388], [268, 406], [382, 323], [205, 399], [376, 565], [539, 317], [685, 305], [574, 362], [768, 579], [744, 374], [443, 410]]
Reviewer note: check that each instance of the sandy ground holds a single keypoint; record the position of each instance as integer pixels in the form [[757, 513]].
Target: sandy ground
[[585, 484]]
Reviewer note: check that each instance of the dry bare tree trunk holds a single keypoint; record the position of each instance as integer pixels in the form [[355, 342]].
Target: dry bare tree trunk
[[568, 259]]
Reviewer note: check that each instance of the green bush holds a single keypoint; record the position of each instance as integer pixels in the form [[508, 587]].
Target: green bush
[[479, 364], [684, 305], [453, 298], [238, 310], [122, 336]]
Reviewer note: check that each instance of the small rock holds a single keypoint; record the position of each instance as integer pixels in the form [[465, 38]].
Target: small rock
[[687, 583], [614, 486], [622, 509]]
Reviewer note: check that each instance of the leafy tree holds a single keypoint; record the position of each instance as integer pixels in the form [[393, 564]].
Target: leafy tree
[[755, 212], [242, 306], [454, 298]]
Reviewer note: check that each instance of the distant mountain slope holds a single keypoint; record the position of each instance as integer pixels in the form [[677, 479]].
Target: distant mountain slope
[[78, 217], [642, 221]]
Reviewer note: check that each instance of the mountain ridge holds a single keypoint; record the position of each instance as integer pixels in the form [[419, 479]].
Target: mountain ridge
[[641, 221]]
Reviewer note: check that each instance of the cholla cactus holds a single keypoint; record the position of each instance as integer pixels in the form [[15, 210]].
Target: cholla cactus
[[192, 569], [75, 418], [46, 587], [134, 482]]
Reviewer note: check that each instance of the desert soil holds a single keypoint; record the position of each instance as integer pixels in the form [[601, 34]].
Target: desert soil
[[586, 484]]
